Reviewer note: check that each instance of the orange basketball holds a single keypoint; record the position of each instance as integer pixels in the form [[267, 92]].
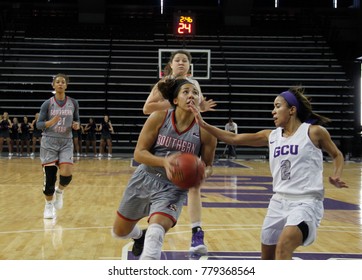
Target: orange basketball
[[189, 171]]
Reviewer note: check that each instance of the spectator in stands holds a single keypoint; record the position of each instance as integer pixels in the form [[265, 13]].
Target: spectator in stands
[[25, 137], [150, 193], [58, 115], [36, 134], [90, 130], [178, 67], [106, 130], [232, 127], [296, 162], [5, 125], [15, 136]]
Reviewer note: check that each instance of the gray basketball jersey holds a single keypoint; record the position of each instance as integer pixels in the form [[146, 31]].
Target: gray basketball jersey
[[170, 141], [63, 128]]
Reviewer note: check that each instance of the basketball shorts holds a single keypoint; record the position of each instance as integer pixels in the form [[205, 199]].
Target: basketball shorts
[[147, 194], [284, 212], [56, 150]]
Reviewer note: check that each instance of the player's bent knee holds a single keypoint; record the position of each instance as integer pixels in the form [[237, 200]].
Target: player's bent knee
[[50, 177], [65, 180], [119, 235]]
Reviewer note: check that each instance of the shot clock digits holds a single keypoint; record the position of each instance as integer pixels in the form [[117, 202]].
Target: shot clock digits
[[184, 24]]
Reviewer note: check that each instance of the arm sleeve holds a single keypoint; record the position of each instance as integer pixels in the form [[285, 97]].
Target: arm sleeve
[[43, 115], [76, 111]]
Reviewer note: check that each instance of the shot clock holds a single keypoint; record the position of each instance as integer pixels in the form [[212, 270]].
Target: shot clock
[[184, 24]]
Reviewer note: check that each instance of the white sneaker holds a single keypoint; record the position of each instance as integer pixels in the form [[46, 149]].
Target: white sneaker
[[58, 203], [78, 154], [32, 155], [49, 211], [109, 155]]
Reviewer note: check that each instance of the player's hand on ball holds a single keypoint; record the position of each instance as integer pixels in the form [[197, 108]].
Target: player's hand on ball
[[170, 165], [188, 170]]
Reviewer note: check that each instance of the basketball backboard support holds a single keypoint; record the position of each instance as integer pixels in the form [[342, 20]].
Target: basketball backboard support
[[200, 68]]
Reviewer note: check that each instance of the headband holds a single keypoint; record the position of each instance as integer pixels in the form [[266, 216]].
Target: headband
[[291, 99], [177, 85]]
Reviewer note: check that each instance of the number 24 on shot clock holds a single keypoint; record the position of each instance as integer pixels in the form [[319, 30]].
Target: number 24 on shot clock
[[184, 24]]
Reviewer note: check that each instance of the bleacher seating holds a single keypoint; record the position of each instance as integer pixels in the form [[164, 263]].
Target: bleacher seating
[[112, 73]]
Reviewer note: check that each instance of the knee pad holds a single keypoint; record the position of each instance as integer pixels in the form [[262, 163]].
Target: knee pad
[[50, 177], [65, 180], [153, 242]]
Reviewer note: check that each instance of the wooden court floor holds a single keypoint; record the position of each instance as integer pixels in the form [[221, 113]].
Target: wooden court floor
[[234, 199]]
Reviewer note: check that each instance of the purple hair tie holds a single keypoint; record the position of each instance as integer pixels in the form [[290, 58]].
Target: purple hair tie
[[291, 99]]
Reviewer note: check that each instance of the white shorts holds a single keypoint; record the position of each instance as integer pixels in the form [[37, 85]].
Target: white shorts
[[291, 212]]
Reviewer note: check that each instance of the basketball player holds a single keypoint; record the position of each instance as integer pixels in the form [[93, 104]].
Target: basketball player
[[106, 130], [150, 191], [36, 134], [179, 66], [25, 128], [5, 125], [90, 130], [296, 164], [15, 135], [58, 115]]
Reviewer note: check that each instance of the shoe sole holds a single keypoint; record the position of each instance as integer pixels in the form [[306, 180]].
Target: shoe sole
[[50, 217], [200, 250]]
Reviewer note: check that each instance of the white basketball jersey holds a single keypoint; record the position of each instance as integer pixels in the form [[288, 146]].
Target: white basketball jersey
[[296, 163]]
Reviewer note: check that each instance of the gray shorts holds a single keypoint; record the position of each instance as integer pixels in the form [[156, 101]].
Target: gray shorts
[[56, 150], [147, 194], [283, 212]]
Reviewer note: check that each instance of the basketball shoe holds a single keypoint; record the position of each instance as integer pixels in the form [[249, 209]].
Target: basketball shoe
[[197, 243], [49, 211], [138, 244], [58, 203]]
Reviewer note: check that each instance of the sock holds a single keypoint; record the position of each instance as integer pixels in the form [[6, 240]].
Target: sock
[[136, 232], [153, 242], [196, 227]]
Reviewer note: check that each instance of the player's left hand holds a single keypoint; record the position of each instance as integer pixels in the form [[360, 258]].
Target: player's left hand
[[207, 105]]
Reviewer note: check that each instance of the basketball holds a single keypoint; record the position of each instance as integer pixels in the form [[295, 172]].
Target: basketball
[[189, 171]]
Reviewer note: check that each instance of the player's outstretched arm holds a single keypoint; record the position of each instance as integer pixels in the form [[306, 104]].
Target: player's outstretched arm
[[258, 139]]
